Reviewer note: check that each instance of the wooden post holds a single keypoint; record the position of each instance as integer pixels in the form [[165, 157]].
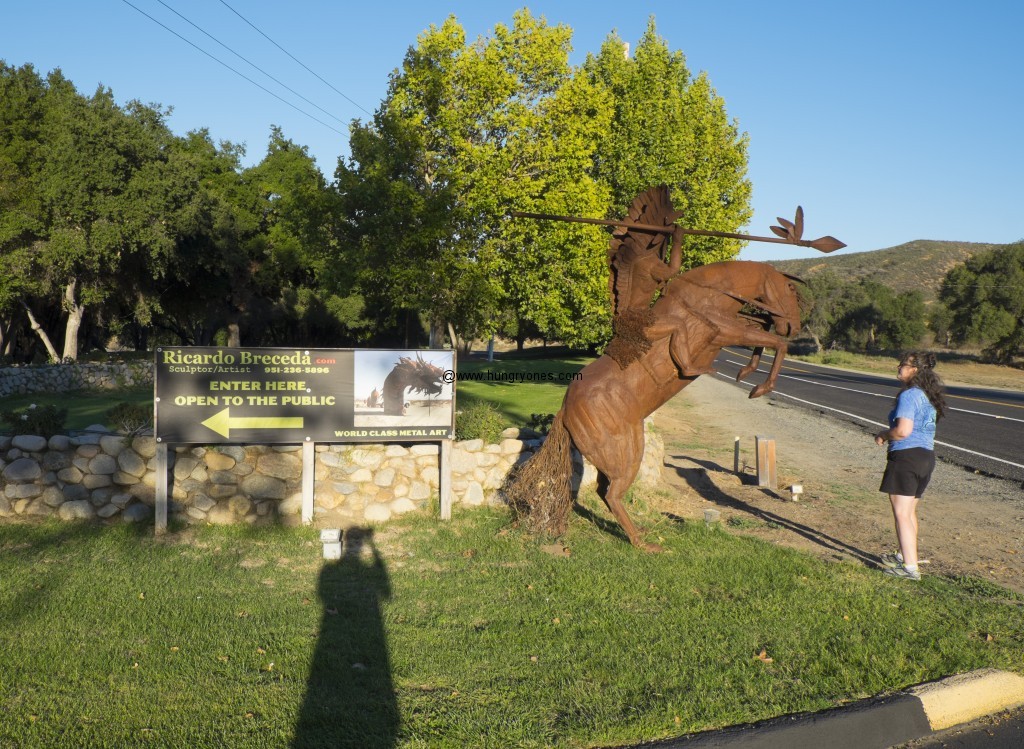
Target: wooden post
[[308, 475], [766, 475], [160, 519], [444, 467]]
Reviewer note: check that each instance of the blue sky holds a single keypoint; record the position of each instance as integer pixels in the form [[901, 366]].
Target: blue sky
[[887, 121]]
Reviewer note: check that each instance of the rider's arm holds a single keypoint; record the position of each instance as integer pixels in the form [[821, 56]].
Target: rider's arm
[[676, 257], [662, 272]]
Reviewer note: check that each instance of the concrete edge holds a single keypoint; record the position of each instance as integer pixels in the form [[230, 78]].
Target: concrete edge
[[966, 697], [873, 723]]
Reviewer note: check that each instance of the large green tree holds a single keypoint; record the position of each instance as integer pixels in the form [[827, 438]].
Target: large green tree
[[985, 297], [870, 316], [467, 132], [99, 199], [861, 315], [470, 131], [307, 274], [209, 287], [671, 128], [22, 94]]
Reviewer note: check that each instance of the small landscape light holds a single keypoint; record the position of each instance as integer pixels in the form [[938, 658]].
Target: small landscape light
[[796, 490], [331, 539]]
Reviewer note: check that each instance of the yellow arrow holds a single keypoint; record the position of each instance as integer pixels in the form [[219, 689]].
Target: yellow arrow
[[222, 423]]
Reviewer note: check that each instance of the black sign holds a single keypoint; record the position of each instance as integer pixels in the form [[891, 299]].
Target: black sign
[[213, 395]]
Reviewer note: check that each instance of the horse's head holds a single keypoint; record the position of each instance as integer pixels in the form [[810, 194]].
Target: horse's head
[[783, 300], [766, 296]]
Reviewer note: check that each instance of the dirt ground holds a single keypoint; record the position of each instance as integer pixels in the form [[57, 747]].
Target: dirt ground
[[969, 524]]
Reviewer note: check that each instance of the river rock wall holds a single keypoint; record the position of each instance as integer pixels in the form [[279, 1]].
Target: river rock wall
[[60, 378], [96, 474]]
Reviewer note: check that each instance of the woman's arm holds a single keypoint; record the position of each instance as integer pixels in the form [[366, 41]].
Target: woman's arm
[[900, 431]]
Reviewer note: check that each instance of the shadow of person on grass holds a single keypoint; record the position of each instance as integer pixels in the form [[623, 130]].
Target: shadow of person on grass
[[698, 480], [350, 699]]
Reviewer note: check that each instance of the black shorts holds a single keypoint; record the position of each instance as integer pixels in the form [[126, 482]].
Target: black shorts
[[907, 472]]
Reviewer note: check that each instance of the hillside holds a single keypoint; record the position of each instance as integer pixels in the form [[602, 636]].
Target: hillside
[[920, 264]]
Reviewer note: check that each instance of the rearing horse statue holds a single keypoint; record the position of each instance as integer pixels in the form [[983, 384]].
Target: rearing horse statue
[[722, 304]]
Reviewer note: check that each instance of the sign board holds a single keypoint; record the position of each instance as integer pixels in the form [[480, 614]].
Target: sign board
[[214, 395]]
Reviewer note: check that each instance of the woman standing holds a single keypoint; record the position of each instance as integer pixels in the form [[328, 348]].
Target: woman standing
[[911, 459]]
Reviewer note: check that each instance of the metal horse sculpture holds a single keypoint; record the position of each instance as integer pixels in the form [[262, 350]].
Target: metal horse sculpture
[[416, 374], [603, 412], [722, 304]]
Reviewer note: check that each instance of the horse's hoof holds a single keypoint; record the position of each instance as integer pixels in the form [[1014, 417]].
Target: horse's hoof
[[759, 391]]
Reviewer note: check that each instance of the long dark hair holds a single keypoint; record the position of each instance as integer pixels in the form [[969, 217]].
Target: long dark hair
[[926, 379]]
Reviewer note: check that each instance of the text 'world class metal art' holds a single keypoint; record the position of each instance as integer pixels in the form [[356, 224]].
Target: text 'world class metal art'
[[656, 350]]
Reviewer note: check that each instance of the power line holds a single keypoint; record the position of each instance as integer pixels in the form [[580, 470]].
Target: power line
[[250, 62], [294, 58], [241, 75]]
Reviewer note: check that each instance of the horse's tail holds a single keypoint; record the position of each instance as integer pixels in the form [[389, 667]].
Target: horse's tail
[[539, 491]]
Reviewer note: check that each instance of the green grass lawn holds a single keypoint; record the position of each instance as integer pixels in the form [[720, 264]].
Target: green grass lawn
[[85, 407], [518, 401], [460, 634]]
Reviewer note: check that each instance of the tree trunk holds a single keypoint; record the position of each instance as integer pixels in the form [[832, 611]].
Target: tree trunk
[[436, 334], [34, 324], [75, 313]]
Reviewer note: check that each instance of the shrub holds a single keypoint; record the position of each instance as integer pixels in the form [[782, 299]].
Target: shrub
[[479, 421], [541, 423], [130, 417], [44, 421], [837, 358]]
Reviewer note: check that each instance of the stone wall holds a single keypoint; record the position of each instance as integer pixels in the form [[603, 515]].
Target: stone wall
[[59, 378], [110, 476]]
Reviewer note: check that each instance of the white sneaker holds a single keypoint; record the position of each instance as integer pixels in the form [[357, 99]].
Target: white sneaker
[[903, 573], [892, 560]]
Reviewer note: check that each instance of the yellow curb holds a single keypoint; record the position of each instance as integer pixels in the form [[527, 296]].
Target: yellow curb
[[966, 697]]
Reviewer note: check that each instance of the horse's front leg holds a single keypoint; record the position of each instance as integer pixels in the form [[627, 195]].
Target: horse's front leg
[[760, 339], [755, 362], [736, 333], [769, 384]]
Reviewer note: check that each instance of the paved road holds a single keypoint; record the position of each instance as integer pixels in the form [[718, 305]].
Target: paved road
[[983, 431]]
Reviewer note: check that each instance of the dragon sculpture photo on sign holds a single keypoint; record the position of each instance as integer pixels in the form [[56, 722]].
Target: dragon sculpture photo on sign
[[658, 347]]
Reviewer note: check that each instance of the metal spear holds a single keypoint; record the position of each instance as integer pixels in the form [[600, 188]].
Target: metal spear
[[789, 233]]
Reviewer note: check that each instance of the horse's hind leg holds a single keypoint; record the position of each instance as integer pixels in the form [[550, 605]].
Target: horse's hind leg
[[619, 474]]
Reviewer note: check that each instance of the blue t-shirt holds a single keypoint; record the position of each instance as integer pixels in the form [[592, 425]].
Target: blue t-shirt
[[913, 404]]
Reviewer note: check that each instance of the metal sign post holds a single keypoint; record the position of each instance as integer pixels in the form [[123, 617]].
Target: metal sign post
[[160, 508]]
